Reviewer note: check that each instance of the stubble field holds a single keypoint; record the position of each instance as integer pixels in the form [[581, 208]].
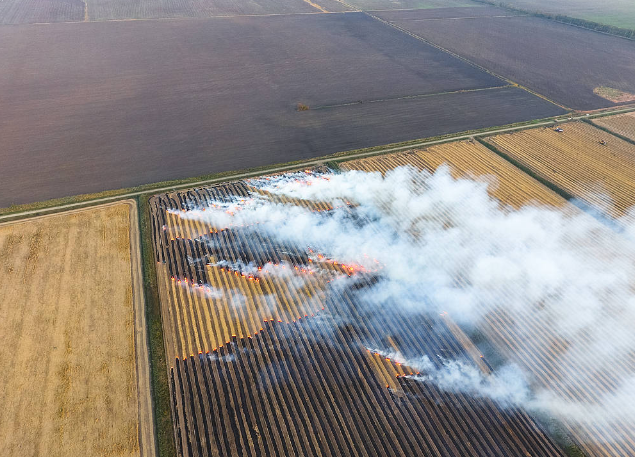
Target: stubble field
[[565, 363], [622, 124], [74, 370], [602, 175], [270, 356]]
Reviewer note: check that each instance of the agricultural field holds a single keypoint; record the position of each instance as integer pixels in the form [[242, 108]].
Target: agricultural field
[[101, 10], [120, 104], [564, 63], [366, 5], [447, 13], [569, 367], [622, 124], [469, 159], [270, 355], [40, 11], [74, 372], [618, 13], [575, 160]]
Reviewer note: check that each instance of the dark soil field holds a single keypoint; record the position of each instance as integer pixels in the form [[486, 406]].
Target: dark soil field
[[100, 10], [98, 106], [409, 4], [47, 11], [559, 61], [446, 13], [34, 11]]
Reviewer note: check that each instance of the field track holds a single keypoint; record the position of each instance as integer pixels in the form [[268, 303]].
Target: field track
[[525, 337], [267, 365], [601, 175], [71, 298]]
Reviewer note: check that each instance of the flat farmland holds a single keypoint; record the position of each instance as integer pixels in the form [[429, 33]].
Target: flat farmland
[[619, 13], [575, 160], [471, 12], [41, 11], [269, 356], [50, 11], [98, 106], [74, 368], [366, 5], [561, 62], [565, 364], [469, 160], [100, 10], [622, 124]]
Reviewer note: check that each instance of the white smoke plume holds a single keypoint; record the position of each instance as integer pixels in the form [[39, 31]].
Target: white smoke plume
[[445, 245]]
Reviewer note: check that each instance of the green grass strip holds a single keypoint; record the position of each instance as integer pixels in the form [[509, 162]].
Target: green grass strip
[[164, 430]]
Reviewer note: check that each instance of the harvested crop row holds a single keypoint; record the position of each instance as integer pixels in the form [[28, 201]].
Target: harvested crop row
[[471, 160], [72, 336], [264, 363], [622, 124], [576, 160], [525, 337]]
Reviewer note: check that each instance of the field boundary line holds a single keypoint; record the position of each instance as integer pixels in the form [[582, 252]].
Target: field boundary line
[[416, 96], [468, 61]]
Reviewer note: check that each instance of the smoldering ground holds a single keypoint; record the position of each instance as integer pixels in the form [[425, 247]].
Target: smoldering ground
[[445, 246]]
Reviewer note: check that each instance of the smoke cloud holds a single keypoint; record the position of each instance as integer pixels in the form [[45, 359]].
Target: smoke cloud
[[444, 245]]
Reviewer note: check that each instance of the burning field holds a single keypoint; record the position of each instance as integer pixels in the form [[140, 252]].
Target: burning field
[[399, 306], [73, 350], [435, 302]]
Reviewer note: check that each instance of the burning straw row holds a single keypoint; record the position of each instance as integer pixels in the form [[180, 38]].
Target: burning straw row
[[274, 354]]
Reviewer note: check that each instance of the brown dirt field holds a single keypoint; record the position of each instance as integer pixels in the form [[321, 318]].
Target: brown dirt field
[[70, 297]]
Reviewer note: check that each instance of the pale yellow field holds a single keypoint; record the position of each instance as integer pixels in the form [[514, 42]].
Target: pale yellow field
[[623, 124], [472, 160], [601, 175], [69, 299]]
